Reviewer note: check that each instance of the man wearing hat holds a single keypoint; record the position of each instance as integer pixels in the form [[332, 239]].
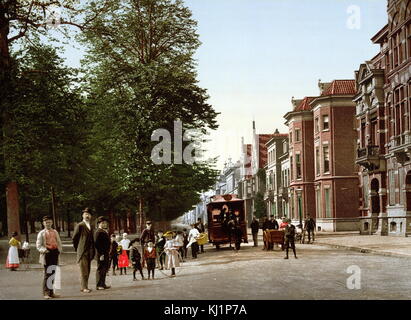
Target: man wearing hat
[[83, 242], [147, 235], [102, 244]]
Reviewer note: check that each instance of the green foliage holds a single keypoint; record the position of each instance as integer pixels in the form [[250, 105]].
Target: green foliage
[[260, 206]]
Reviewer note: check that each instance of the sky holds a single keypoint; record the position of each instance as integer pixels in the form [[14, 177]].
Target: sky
[[258, 54]]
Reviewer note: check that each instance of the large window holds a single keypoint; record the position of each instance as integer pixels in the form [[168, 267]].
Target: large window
[[297, 135], [365, 190], [317, 125], [327, 195], [326, 124], [317, 161], [318, 202], [298, 165], [326, 159]]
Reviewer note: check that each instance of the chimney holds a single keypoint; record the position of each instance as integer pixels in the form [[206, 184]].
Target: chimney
[[322, 85], [276, 131]]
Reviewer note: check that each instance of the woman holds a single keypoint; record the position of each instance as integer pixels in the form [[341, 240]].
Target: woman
[[13, 261]]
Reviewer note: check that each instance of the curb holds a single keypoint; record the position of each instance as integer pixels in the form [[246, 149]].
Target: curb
[[365, 250]]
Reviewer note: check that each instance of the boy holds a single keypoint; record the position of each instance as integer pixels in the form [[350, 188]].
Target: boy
[[49, 245], [289, 234], [150, 258], [136, 259], [161, 241]]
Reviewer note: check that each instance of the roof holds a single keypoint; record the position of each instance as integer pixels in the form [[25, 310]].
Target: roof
[[304, 105], [340, 87], [380, 35]]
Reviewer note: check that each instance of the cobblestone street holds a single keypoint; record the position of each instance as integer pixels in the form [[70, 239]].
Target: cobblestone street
[[319, 273]]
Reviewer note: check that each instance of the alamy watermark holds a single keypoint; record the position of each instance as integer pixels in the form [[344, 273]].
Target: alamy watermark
[[354, 281]]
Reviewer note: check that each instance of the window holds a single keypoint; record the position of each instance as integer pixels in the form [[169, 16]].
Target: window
[[291, 168], [326, 124], [317, 161], [409, 41], [318, 202], [317, 125], [326, 155], [298, 165], [365, 191], [291, 137], [327, 203], [297, 135], [362, 134]]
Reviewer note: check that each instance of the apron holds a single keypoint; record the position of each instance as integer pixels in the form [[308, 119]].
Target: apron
[[13, 258]]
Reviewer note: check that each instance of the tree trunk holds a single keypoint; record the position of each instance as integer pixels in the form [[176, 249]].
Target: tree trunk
[[53, 210], [25, 217], [13, 217], [68, 221]]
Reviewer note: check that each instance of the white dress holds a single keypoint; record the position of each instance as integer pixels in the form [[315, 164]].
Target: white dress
[[125, 243], [172, 254]]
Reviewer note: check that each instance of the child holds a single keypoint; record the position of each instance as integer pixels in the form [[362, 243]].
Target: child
[[179, 242], [13, 261], [171, 250], [135, 257], [114, 253], [161, 241], [150, 258]]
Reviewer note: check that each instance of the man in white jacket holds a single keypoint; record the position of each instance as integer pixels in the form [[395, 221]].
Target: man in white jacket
[[49, 245], [192, 240]]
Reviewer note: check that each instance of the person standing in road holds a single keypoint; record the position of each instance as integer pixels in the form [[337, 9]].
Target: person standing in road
[[150, 259], [201, 229], [309, 226], [171, 250], [123, 260], [289, 235], [185, 243], [255, 226], [83, 242], [135, 257], [160, 243], [50, 247], [13, 261], [103, 245], [192, 240], [147, 235], [113, 254]]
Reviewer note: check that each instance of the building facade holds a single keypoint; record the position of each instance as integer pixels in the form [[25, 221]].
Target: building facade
[[301, 151], [274, 178], [384, 123], [336, 180]]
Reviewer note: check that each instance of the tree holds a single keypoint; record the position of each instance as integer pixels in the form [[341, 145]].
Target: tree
[[142, 77], [260, 205]]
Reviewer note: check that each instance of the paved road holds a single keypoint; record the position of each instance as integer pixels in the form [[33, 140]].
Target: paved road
[[319, 273]]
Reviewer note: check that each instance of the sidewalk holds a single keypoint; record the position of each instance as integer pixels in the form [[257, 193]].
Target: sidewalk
[[352, 240]]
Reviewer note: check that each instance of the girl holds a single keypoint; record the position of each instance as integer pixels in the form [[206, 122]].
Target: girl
[[150, 258], [13, 261], [171, 250]]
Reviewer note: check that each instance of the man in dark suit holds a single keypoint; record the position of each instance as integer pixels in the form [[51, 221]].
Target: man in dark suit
[[83, 242], [103, 244]]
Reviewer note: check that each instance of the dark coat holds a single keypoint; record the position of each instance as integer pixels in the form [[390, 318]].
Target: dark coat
[[309, 224], [147, 236], [83, 240], [255, 226], [266, 225], [102, 243], [272, 225], [113, 249]]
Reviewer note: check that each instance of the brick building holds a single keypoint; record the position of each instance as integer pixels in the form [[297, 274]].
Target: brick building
[[384, 122], [336, 174], [301, 154]]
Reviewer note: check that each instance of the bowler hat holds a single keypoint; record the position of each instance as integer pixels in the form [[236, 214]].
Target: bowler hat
[[101, 219], [87, 210]]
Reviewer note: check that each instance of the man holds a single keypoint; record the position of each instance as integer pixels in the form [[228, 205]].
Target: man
[[289, 235], [201, 229], [102, 244], [265, 227], [255, 226], [192, 241], [49, 245], [147, 235], [309, 226], [272, 225], [83, 242]]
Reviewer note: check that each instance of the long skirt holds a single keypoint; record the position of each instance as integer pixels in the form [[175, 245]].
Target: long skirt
[[172, 259], [123, 259], [13, 260]]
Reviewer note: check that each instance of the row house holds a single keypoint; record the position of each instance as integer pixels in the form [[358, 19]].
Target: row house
[[283, 190], [254, 160], [383, 116], [336, 180], [274, 176], [301, 190], [322, 151]]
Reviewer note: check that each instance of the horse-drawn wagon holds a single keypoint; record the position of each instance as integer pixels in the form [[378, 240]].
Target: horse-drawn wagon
[[227, 223]]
